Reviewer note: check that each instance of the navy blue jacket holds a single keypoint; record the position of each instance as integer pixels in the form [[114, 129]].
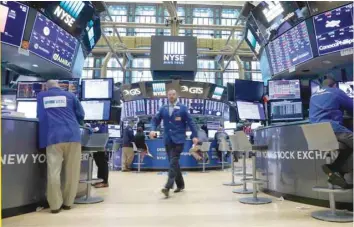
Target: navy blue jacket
[[59, 113], [128, 137], [175, 125], [327, 105]]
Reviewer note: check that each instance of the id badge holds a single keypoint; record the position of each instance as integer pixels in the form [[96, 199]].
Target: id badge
[[178, 119]]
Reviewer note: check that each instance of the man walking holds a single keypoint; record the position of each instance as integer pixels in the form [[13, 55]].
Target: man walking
[[175, 117], [60, 114]]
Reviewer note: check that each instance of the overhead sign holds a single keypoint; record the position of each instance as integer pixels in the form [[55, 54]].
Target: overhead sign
[[132, 92], [68, 11], [173, 53], [192, 90], [159, 89]]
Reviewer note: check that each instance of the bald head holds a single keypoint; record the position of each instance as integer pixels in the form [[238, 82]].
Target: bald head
[[172, 95], [52, 83]]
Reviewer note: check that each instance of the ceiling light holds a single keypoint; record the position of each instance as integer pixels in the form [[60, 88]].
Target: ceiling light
[[326, 62], [34, 65]]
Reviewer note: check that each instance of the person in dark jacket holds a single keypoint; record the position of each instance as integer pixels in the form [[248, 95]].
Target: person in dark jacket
[[60, 114], [139, 139], [219, 135], [327, 105], [127, 150]]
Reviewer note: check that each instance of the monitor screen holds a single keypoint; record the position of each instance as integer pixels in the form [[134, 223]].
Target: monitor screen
[[248, 90], [347, 87], [213, 108], [228, 124], [52, 43], [13, 16], [334, 30], [286, 111], [229, 132], [315, 86], [265, 67], [252, 42], [153, 105], [98, 110], [290, 49], [218, 92], [213, 125], [159, 89], [71, 85], [134, 108], [97, 88], [28, 108], [29, 90], [250, 110], [284, 89], [114, 131], [211, 133], [195, 106]]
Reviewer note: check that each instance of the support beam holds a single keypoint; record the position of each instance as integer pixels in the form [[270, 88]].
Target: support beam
[[112, 50], [104, 65]]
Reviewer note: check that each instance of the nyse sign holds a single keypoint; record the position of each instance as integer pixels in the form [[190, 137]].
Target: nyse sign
[[192, 90], [132, 92], [173, 53], [68, 11]]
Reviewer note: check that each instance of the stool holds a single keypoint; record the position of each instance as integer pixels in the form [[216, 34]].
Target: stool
[[115, 148], [244, 189], [255, 200], [204, 149], [332, 214], [138, 151], [91, 144], [223, 147], [314, 134], [232, 183]]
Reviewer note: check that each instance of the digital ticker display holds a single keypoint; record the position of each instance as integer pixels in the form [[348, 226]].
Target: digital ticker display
[[290, 49], [195, 106], [213, 108], [334, 30], [153, 105], [13, 16], [52, 43], [134, 108]]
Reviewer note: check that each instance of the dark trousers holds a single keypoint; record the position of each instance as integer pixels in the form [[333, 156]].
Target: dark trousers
[[345, 150], [101, 160], [174, 173]]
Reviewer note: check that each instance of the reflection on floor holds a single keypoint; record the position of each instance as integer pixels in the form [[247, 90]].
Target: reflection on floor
[[134, 200]]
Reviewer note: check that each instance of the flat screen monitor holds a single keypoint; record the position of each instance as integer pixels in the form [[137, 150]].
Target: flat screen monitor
[[70, 85], [97, 110], [252, 42], [217, 93], [284, 89], [213, 125], [315, 86], [286, 111], [97, 88], [334, 30], [188, 134], [29, 108], [347, 87], [230, 92], [134, 108], [211, 133], [228, 124], [114, 131], [250, 111], [248, 90], [213, 108], [265, 67], [153, 105], [13, 16], [195, 106], [28, 90], [229, 132]]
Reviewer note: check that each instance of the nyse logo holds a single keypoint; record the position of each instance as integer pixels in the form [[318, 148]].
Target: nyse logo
[[132, 92], [173, 53], [192, 90], [273, 10], [68, 11]]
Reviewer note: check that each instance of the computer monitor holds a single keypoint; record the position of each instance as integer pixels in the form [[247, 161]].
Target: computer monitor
[[97, 110], [229, 132], [218, 92], [28, 90], [97, 88], [211, 133], [228, 124], [188, 134], [114, 131], [347, 87], [250, 111], [284, 89], [248, 90], [315, 86], [286, 111], [70, 85], [28, 108]]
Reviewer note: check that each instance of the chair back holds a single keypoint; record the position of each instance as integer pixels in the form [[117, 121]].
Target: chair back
[[240, 142], [97, 141], [223, 145], [320, 137], [205, 146]]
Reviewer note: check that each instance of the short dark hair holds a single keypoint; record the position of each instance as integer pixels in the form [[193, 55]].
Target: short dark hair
[[329, 82]]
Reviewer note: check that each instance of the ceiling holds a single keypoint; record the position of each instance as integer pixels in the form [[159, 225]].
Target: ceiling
[[218, 3]]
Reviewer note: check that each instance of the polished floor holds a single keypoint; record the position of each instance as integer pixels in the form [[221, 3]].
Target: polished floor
[[134, 200]]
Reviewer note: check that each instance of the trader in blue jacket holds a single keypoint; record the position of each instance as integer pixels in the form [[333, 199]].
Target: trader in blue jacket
[[60, 114], [327, 105], [176, 118]]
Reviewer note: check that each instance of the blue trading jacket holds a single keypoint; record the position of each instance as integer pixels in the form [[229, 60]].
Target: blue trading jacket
[[327, 105], [175, 125], [59, 114], [128, 136]]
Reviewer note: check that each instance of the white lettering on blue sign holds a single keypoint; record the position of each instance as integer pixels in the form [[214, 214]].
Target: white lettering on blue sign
[[54, 102]]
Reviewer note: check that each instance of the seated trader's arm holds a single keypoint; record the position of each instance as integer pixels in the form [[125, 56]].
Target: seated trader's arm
[[155, 122], [345, 102], [79, 111], [192, 127]]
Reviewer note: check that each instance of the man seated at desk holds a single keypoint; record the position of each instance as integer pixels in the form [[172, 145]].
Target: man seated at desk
[[327, 105]]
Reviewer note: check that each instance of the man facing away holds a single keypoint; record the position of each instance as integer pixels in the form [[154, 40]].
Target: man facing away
[[127, 150], [60, 114], [326, 105], [175, 117]]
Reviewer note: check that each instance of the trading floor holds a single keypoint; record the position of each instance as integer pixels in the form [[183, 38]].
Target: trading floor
[[134, 200]]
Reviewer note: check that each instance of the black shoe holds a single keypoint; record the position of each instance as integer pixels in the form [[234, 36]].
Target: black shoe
[[328, 169], [337, 179], [166, 192], [178, 190], [55, 211], [66, 207]]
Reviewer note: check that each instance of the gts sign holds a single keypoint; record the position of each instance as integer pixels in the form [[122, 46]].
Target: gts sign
[[192, 90], [132, 92]]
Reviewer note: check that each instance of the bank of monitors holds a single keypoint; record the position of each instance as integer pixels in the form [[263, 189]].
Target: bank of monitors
[[153, 105], [134, 108], [97, 110], [248, 90], [29, 108], [347, 87], [250, 111], [211, 133], [114, 131], [97, 88], [286, 111], [284, 89]]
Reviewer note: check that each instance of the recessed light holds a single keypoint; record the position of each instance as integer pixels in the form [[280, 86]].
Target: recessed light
[[326, 62], [34, 65]]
